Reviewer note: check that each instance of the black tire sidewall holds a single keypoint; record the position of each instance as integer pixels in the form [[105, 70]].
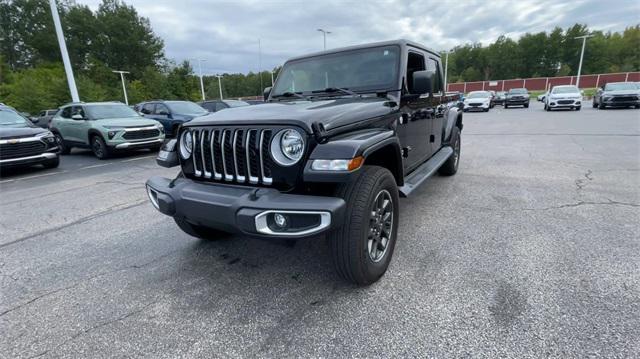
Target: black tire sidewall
[[103, 145], [375, 270], [349, 243]]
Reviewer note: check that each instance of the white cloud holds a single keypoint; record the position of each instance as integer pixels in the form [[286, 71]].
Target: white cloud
[[226, 33]]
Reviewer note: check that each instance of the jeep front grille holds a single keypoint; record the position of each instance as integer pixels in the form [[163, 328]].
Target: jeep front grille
[[233, 155]]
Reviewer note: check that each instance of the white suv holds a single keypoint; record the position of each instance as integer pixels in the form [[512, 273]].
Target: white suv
[[564, 96]]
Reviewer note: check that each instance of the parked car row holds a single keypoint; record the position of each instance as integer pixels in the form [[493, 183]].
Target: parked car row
[[614, 94], [103, 127], [486, 100]]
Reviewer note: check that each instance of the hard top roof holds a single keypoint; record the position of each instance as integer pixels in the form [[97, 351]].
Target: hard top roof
[[399, 42]]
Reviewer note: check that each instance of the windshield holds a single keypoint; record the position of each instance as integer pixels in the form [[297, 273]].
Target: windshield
[[621, 86], [12, 119], [565, 89], [236, 103], [186, 107], [518, 91], [99, 112], [357, 70], [478, 95]]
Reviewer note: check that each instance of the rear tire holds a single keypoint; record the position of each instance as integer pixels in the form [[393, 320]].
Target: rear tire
[[201, 232], [450, 166], [100, 148], [363, 246]]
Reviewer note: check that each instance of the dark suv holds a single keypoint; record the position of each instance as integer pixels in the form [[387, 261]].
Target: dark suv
[[217, 105], [343, 135], [171, 114], [517, 97]]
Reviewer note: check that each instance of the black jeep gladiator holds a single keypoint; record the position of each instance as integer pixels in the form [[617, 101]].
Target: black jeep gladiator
[[342, 135]]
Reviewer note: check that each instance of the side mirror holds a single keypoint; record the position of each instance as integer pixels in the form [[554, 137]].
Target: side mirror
[[144, 111], [266, 93], [423, 82], [582, 92], [77, 117]]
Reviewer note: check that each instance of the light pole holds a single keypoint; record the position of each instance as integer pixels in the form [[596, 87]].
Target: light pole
[[584, 42], [124, 89], [220, 84], [446, 67], [260, 64], [200, 72], [65, 55], [324, 36]]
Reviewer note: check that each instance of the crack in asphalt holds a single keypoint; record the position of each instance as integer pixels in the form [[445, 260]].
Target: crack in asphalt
[[132, 266], [556, 134], [582, 183], [97, 326], [109, 210], [583, 203]]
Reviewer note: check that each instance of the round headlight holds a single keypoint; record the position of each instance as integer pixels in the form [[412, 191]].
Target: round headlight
[[287, 147], [186, 144]]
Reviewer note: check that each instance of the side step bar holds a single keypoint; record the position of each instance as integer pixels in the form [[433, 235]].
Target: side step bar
[[420, 174]]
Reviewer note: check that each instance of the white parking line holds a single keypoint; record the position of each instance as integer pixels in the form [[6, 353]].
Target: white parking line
[[77, 169], [138, 158], [94, 166], [31, 177]]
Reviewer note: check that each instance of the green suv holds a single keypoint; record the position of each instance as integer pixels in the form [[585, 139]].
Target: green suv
[[105, 127]]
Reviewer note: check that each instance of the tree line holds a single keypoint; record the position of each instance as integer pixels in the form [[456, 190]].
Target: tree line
[[116, 37], [542, 54]]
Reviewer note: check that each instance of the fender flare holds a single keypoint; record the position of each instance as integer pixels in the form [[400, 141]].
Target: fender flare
[[454, 118], [359, 143]]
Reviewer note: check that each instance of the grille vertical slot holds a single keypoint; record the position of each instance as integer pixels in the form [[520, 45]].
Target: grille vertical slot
[[241, 155]]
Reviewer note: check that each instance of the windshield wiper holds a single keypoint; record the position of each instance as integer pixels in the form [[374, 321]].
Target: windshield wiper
[[345, 91], [289, 94]]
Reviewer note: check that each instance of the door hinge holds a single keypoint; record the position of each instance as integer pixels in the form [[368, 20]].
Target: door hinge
[[432, 138], [405, 151]]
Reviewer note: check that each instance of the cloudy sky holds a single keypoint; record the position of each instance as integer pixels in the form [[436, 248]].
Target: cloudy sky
[[226, 33]]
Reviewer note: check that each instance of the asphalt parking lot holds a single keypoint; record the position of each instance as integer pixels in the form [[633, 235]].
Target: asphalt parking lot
[[531, 250]]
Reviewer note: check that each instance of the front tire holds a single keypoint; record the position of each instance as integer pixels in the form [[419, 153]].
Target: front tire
[[526, 105], [363, 246], [64, 149], [601, 106], [100, 148]]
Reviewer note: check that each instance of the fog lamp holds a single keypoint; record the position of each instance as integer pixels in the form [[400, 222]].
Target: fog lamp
[[280, 220]]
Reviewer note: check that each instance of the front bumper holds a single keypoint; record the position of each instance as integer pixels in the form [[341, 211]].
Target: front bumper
[[29, 160], [565, 103], [517, 102], [620, 103], [140, 144], [476, 107], [242, 209]]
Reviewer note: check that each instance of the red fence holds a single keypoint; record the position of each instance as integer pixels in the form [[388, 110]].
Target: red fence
[[543, 83]]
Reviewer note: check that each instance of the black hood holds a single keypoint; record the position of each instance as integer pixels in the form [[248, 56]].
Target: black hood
[[332, 113], [19, 132]]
